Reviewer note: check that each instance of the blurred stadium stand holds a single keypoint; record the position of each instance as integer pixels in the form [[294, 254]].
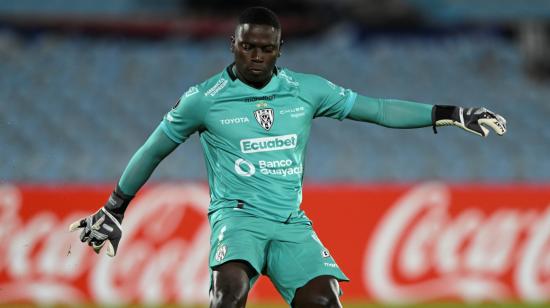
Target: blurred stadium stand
[[75, 107]]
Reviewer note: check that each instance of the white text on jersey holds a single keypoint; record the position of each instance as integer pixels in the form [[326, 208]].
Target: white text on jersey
[[238, 120], [267, 144]]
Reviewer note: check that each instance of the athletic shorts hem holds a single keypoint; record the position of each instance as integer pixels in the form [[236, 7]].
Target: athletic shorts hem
[[303, 282], [255, 267]]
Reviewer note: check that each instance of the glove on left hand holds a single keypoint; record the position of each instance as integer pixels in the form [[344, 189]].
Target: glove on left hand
[[473, 120]]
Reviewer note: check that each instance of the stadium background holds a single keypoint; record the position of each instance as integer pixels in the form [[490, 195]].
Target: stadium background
[[83, 83]]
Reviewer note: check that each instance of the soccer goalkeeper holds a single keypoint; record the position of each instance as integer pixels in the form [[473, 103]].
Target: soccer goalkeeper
[[254, 119]]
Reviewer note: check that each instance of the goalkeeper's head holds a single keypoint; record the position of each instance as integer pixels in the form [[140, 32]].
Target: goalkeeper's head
[[256, 45]]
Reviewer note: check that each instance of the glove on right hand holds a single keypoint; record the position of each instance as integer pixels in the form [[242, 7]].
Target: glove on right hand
[[104, 225], [99, 228]]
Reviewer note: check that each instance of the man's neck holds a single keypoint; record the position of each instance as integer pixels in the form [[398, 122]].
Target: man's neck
[[257, 85]]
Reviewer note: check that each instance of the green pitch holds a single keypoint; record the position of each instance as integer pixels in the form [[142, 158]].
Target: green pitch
[[432, 305], [354, 304]]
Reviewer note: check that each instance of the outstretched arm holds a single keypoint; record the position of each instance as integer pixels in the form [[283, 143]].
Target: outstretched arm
[[104, 225], [391, 112], [405, 114]]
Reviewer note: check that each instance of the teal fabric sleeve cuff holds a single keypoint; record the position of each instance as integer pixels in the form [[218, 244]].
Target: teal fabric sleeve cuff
[[348, 105], [145, 160], [391, 112]]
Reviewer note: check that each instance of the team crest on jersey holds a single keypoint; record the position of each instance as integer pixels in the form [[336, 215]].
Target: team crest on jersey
[[220, 253], [265, 117]]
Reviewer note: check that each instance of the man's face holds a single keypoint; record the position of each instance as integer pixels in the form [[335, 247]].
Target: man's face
[[256, 48]]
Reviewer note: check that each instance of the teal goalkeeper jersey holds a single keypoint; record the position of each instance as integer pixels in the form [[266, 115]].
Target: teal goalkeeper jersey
[[254, 140]]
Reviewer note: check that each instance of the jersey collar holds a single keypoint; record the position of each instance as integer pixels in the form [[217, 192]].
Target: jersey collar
[[233, 76]]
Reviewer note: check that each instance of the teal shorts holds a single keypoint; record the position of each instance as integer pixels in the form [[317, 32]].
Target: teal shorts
[[290, 254]]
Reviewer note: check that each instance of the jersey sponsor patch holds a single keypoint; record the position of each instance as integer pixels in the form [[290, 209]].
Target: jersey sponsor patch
[[342, 92], [294, 112], [283, 167], [265, 117], [268, 144], [217, 87], [288, 79], [236, 120], [244, 167], [191, 91]]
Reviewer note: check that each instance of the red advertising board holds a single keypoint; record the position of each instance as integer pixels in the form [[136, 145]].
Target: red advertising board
[[397, 243]]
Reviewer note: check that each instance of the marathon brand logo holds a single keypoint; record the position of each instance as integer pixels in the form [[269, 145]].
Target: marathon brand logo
[[333, 265], [191, 91], [268, 144], [259, 98]]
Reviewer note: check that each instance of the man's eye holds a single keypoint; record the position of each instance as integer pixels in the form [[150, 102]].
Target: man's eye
[[246, 46], [269, 49]]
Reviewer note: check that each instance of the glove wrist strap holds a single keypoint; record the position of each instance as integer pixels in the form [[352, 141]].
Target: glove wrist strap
[[442, 112], [117, 203]]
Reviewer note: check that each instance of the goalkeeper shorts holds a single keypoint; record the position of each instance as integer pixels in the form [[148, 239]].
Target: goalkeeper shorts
[[291, 254]]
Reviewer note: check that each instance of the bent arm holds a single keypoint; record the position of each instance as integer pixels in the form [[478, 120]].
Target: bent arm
[[391, 112], [145, 160]]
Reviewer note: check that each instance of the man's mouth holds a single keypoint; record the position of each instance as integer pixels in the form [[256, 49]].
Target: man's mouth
[[256, 70]]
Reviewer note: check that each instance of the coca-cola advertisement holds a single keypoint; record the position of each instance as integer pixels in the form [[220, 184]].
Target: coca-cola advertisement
[[398, 243]]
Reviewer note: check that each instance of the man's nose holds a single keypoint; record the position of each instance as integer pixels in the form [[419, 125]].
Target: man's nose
[[257, 55]]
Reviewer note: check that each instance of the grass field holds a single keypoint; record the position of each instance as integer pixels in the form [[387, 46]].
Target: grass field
[[345, 304]]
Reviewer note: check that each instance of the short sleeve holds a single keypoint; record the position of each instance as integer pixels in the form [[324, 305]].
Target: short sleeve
[[186, 117], [331, 100]]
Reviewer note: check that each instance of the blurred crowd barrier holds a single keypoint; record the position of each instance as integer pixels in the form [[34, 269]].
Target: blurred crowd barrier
[[397, 243], [76, 108]]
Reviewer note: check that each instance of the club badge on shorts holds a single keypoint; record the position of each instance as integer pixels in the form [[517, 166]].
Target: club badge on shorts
[[264, 117], [220, 253]]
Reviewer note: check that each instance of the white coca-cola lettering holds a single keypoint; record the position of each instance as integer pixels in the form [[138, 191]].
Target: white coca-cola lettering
[[154, 264], [536, 262], [419, 251], [10, 201]]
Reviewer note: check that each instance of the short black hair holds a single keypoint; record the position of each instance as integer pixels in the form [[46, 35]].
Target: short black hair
[[259, 15]]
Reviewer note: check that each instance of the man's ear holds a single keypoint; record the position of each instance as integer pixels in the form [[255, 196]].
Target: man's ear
[[232, 45], [280, 48]]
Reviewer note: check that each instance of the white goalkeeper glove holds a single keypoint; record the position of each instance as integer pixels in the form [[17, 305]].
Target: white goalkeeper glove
[[474, 120], [104, 226]]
